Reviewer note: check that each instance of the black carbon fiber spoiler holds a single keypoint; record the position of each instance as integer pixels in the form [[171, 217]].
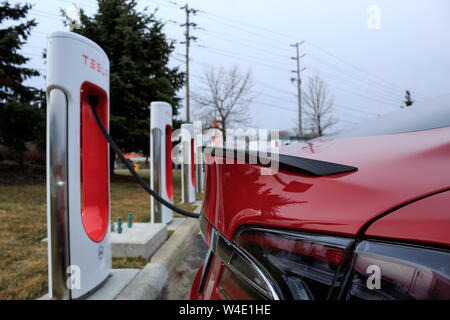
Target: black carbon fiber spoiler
[[288, 163]]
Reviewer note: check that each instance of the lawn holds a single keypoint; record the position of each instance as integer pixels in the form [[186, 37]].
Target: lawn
[[23, 224]]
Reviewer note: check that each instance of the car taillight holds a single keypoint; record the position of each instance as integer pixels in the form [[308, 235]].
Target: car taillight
[[232, 287], [242, 278], [271, 264], [383, 271], [304, 266]]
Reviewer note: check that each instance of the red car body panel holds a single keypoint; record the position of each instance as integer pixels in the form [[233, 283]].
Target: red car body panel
[[399, 192], [425, 221], [392, 170]]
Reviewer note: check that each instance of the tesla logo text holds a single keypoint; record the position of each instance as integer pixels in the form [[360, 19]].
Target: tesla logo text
[[374, 280], [94, 65], [74, 279]]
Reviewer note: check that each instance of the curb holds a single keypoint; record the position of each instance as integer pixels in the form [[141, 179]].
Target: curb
[[149, 282]]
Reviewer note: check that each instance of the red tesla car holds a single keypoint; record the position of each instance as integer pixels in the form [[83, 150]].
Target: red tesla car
[[362, 215]]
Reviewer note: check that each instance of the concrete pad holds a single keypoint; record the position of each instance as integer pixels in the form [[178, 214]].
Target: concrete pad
[[117, 281], [147, 284], [141, 240], [175, 223], [112, 287]]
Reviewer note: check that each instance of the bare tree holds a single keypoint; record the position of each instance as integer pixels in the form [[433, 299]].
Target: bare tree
[[225, 103], [319, 106]]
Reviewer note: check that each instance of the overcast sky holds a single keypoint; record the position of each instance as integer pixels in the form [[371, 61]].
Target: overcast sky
[[366, 62]]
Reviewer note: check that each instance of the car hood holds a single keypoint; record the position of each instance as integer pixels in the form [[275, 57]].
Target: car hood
[[392, 170]]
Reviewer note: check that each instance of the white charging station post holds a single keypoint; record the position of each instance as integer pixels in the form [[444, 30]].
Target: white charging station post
[[188, 166], [78, 194], [161, 160]]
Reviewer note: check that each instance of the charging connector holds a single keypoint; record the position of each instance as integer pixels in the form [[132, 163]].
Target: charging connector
[[92, 100]]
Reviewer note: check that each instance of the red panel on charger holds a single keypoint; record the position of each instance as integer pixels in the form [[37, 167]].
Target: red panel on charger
[[169, 179], [94, 165], [192, 163]]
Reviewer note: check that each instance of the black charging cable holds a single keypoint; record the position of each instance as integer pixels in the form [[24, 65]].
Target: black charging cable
[[93, 102]]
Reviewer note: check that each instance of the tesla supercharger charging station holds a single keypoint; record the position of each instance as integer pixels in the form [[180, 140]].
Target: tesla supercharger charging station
[[161, 159], [78, 201], [188, 166]]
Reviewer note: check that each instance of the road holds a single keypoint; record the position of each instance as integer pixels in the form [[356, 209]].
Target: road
[[178, 285]]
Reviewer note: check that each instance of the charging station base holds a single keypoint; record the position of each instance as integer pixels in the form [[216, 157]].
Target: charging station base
[[141, 240], [119, 279], [112, 287]]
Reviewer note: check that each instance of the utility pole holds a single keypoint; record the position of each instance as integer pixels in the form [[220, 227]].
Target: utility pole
[[299, 85], [188, 38]]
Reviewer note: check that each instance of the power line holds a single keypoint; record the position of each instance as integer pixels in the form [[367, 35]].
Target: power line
[[270, 86], [359, 94], [354, 109], [299, 84], [348, 121], [269, 63], [188, 40], [340, 81], [353, 66], [376, 99], [371, 77], [351, 114], [278, 107], [264, 60], [259, 93], [371, 86], [246, 43], [308, 42], [348, 110], [81, 3], [237, 56], [352, 75], [437, 98], [32, 54], [381, 86], [278, 90]]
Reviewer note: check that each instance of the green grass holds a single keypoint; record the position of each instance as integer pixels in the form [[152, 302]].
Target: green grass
[[23, 257], [23, 224], [129, 263]]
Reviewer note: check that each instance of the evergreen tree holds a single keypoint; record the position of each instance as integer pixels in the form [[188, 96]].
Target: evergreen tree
[[408, 101], [139, 54], [21, 118]]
